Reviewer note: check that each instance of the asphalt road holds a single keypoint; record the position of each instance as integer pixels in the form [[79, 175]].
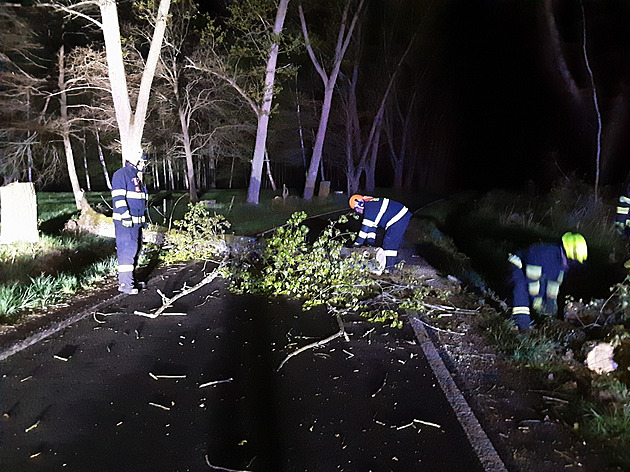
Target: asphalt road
[[201, 390]]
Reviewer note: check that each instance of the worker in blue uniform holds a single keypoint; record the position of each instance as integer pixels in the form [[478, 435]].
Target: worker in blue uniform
[[129, 197], [383, 213], [538, 272]]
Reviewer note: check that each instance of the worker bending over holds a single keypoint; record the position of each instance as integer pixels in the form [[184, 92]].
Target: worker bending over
[[538, 272], [384, 213]]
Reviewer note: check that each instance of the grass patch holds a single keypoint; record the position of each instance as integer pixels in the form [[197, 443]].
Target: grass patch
[[246, 219], [46, 290]]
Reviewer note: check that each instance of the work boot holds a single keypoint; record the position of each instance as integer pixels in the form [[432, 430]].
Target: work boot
[[124, 288]]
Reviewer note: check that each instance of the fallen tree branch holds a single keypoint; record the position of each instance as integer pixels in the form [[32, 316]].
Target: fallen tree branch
[[168, 302], [338, 334]]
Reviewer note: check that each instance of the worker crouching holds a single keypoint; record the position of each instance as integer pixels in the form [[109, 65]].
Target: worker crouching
[[129, 198], [383, 213], [537, 274]]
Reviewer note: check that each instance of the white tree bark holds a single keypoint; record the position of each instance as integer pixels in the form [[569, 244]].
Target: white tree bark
[[79, 196], [253, 191], [343, 41], [130, 123]]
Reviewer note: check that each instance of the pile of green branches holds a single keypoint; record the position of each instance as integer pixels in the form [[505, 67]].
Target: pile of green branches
[[318, 274], [197, 236]]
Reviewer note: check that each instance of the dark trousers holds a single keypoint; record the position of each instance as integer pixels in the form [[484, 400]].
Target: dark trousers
[[520, 297], [128, 244], [393, 239]]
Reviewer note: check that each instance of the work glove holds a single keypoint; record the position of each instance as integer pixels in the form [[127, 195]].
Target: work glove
[[127, 223]]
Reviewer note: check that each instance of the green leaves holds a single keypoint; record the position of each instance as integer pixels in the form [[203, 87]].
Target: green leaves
[[198, 236], [314, 272]]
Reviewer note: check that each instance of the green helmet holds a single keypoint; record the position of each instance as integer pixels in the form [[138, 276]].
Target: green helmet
[[575, 246]]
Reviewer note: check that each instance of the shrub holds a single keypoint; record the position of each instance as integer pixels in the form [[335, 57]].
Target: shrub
[[197, 236]]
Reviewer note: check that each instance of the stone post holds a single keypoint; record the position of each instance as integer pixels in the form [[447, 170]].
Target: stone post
[[18, 213], [324, 188]]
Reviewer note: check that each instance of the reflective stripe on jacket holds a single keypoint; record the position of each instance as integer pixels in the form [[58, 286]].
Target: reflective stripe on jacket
[[379, 213], [129, 195]]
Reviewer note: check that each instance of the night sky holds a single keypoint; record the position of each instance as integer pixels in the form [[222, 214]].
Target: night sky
[[514, 118]]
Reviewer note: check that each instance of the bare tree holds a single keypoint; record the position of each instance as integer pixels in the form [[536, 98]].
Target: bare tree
[[25, 155], [344, 36], [398, 126], [131, 120], [259, 40], [362, 147], [584, 100], [187, 94], [64, 125]]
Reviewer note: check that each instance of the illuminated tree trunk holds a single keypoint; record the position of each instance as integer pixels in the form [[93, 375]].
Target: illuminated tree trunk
[[253, 191], [130, 123], [343, 41], [79, 197]]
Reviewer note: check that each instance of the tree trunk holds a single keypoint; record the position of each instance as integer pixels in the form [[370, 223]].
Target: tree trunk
[[29, 151], [101, 158], [130, 125], [598, 150], [171, 175], [79, 197], [269, 175], [253, 191], [88, 183], [190, 164], [370, 174], [343, 41]]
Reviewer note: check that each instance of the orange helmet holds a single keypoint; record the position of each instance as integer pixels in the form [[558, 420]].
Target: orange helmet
[[354, 199]]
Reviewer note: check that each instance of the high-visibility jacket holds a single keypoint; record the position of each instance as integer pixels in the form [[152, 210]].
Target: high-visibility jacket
[[622, 218], [129, 195], [537, 273], [379, 213]]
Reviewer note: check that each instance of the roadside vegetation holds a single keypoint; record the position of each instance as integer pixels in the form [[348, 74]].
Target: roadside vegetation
[[479, 232]]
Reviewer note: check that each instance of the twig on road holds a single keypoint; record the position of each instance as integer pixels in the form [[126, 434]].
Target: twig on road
[[439, 329], [341, 332], [215, 382], [381, 387], [216, 467], [163, 376], [157, 405]]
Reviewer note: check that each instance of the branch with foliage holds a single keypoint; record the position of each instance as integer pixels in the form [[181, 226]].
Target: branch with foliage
[[197, 236], [318, 274]]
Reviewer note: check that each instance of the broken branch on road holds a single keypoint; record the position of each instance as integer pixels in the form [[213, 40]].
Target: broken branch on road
[[168, 302], [341, 332]]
